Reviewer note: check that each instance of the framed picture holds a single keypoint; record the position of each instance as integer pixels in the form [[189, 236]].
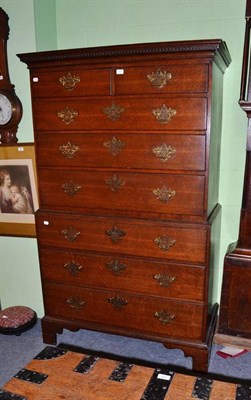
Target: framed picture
[[18, 190]]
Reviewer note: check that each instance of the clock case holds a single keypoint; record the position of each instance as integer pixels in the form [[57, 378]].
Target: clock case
[[8, 131]]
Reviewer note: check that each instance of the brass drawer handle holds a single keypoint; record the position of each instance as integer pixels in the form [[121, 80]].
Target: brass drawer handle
[[164, 242], [69, 81], [114, 146], [113, 112], [70, 188], [164, 152], [164, 317], [115, 234], [117, 302], [164, 280], [70, 233], [67, 115], [68, 150], [164, 114], [164, 194], [115, 183], [159, 78], [116, 267], [73, 267], [75, 302]]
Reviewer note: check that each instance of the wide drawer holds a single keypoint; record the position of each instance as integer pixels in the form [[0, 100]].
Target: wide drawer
[[177, 281], [124, 310], [166, 240], [161, 79], [121, 192], [70, 82], [147, 151], [156, 113]]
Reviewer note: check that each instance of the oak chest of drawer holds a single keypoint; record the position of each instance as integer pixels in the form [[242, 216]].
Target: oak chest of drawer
[[127, 145]]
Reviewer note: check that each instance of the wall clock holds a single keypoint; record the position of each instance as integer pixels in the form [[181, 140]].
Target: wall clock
[[10, 105]]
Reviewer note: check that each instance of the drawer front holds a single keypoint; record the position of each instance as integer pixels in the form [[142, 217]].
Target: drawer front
[[70, 83], [162, 79], [139, 275], [173, 113], [121, 192], [151, 151], [181, 242], [123, 310]]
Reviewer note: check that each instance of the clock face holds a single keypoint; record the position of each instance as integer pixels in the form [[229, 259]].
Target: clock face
[[5, 109]]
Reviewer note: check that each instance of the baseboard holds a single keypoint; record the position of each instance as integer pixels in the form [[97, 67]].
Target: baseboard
[[235, 341]]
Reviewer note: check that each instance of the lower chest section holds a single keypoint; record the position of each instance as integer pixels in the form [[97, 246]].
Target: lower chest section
[[136, 275]]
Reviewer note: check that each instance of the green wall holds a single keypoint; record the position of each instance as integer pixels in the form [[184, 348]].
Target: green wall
[[85, 23], [19, 271], [45, 24]]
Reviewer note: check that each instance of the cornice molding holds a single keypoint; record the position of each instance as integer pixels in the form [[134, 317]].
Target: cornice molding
[[217, 48]]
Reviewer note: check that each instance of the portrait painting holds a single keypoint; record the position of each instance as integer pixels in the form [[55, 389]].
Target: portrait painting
[[18, 190]]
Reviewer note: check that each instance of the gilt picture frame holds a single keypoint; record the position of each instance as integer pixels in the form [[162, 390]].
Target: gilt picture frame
[[18, 190]]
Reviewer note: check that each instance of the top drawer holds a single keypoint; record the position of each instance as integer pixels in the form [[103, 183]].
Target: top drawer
[[70, 83], [161, 79]]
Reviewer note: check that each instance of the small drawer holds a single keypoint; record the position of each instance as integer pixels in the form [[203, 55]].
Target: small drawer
[[146, 151], [123, 310], [161, 79], [124, 114], [169, 280], [122, 192], [167, 240], [70, 82]]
